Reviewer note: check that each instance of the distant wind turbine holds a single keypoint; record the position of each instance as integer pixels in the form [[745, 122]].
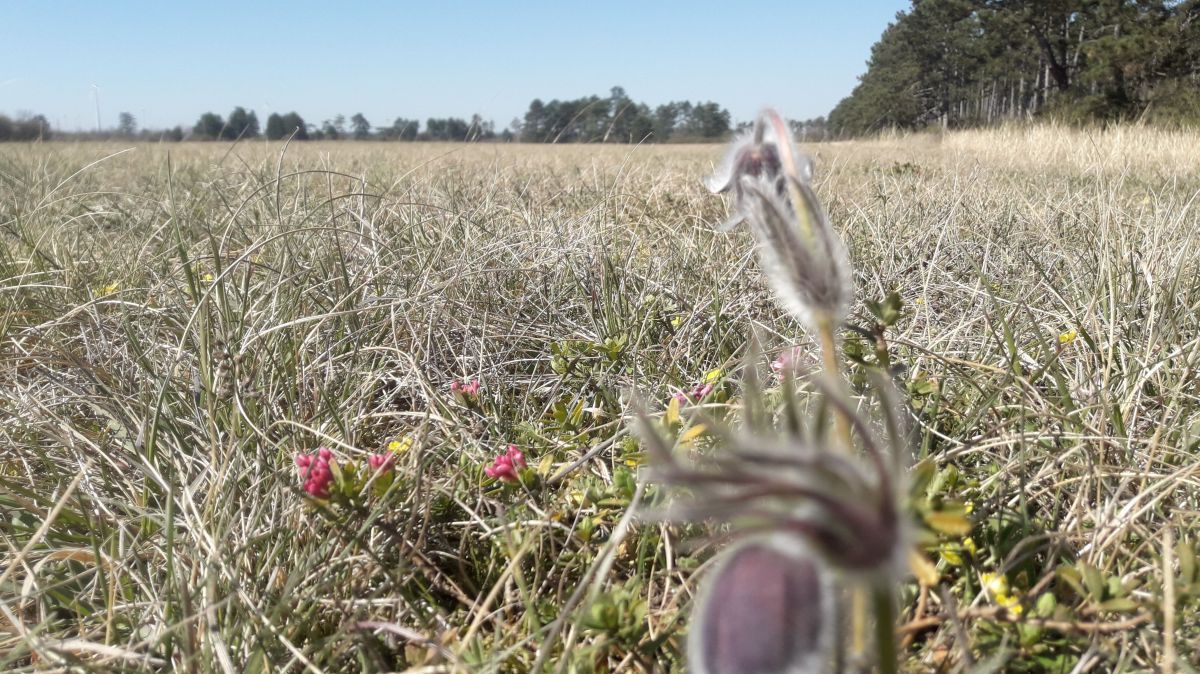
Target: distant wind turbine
[[96, 98]]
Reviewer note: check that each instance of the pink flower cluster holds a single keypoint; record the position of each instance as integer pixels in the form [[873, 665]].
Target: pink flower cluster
[[316, 472], [470, 388], [382, 462], [507, 464], [787, 361], [698, 392]]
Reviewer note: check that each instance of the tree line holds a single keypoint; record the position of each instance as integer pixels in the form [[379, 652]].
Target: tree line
[[244, 124], [956, 63], [24, 127], [614, 118]]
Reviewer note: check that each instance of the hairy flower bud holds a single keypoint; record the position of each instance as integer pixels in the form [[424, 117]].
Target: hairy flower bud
[[766, 609], [799, 251]]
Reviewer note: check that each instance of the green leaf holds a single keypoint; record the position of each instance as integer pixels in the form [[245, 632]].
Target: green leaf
[[945, 479], [1093, 580], [671, 417], [1046, 605], [921, 475], [688, 436], [992, 665], [887, 311], [950, 556], [586, 528], [1186, 556], [1120, 604], [624, 483], [1072, 577], [1029, 634], [951, 523]]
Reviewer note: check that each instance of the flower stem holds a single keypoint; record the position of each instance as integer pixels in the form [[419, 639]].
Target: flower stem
[[858, 595], [858, 624], [833, 369], [885, 628]]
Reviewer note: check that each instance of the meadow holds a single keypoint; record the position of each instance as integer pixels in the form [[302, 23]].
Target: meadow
[[179, 322]]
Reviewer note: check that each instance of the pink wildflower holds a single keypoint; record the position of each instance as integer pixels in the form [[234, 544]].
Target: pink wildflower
[[465, 391], [315, 471], [787, 361], [516, 455], [507, 464], [699, 392], [382, 462]]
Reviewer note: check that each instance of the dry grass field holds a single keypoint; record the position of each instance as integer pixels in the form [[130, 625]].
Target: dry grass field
[[178, 322]]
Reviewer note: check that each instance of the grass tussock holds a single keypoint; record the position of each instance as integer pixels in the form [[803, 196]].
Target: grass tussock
[[179, 323]]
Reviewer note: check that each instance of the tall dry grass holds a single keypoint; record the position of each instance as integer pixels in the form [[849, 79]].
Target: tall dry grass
[[178, 321]]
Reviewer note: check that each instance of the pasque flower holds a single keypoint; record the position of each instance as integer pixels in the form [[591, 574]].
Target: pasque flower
[[801, 255], [767, 607], [825, 513], [845, 508], [799, 508]]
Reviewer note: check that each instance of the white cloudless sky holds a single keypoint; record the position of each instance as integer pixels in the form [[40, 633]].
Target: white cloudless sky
[[167, 62]]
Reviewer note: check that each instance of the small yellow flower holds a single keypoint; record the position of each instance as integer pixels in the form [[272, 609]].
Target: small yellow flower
[[993, 583], [400, 446], [109, 289], [968, 507], [969, 545], [1068, 336], [996, 586], [207, 278], [676, 322]]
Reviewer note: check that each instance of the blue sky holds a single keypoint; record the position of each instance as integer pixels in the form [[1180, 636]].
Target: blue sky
[[166, 62]]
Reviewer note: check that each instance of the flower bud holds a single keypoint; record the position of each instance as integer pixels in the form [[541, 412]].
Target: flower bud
[[800, 253], [766, 609]]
